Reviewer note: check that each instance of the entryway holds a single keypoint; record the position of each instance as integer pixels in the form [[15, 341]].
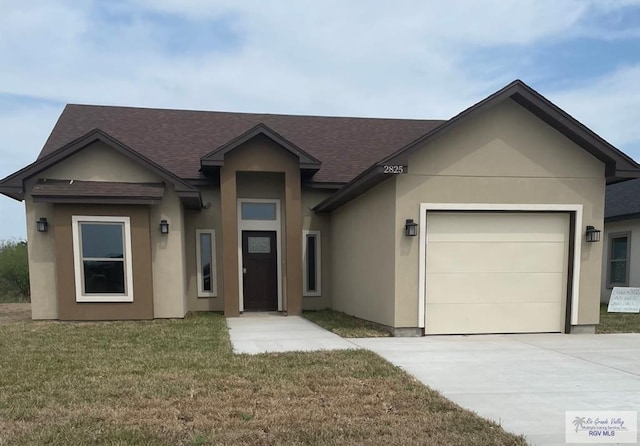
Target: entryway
[[260, 270]]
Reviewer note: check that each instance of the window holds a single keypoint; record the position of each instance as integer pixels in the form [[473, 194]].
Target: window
[[311, 262], [102, 259], [618, 274], [257, 211], [206, 262]]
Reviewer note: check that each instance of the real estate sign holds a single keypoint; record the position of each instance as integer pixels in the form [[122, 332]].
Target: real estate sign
[[624, 300]]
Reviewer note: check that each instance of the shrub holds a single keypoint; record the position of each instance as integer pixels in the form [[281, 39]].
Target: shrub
[[14, 271]]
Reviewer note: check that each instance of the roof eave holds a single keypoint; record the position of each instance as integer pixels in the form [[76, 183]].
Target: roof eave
[[15, 192], [366, 180], [16, 180], [618, 165]]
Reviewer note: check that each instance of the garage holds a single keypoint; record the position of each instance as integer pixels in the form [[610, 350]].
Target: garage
[[496, 272]]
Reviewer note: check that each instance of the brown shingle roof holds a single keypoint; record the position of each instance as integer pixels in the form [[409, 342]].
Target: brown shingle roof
[[177, 139]]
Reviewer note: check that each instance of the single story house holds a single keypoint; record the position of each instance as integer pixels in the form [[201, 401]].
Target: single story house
[[477, 224], [621, 245]]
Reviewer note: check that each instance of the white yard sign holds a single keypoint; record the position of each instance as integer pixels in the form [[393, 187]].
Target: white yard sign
[[624, 300]]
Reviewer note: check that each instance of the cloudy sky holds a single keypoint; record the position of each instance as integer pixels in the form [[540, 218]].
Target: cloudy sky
[[404, 58]]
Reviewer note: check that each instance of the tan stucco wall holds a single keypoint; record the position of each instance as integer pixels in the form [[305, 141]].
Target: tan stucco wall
[[315, 222], [168, 257], [362, 255], [42, 260], [262, 155], [208, 218], [98, 162], [633, 227], [502, 155]]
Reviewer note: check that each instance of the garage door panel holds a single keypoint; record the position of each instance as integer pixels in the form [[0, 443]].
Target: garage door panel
[[497, 227], [496, 272], [493, 318], [491, 288], [495, 257]]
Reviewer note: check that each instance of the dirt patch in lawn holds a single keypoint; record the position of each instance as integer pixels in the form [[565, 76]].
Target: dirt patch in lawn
[[14, 313]]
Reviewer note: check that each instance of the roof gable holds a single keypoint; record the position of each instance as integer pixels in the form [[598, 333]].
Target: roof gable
[[216, 157], [618, 166], [13, 185]]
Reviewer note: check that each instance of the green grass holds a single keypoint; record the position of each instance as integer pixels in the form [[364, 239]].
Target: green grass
[[178, 383], [14, 271], [9, 297], [346, 326], [618, 322]]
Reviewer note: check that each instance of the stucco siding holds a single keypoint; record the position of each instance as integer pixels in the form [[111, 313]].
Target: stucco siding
[[41, 249], [631, 226], [504, 155], [168, 257], [363, 253], [318, 222], [98, 162], [208, 218], [262, 158]]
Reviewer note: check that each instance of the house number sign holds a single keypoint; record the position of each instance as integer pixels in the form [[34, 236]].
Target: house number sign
[[394, 169]]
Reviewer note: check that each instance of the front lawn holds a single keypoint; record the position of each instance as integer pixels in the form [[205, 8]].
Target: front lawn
[[346, 326], [177, 383], [618, 322]]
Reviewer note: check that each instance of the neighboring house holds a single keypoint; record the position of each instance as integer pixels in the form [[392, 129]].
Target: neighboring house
[[153, 213], [621, 245]]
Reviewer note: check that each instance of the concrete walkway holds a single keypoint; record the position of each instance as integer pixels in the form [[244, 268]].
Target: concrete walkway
[[524, 382], [255, 333]]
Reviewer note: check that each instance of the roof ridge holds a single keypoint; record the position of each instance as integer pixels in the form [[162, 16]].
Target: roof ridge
[[290, 115]]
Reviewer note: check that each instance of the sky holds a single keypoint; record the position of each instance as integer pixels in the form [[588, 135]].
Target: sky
[[376, 58]]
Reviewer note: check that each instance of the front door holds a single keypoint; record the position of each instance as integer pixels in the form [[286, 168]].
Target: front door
[[260, 270]]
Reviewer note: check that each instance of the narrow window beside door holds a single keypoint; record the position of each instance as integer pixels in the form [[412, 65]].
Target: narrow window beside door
[[311, 263], [206, 262], [618, 274]]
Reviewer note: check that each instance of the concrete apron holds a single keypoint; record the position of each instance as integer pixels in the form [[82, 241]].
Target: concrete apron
[[525, 383], [255, 333]]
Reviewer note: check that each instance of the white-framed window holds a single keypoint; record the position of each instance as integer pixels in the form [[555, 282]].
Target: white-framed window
[[206, 262], [102, 258], [258, 210], [618, 261], [311, 263]]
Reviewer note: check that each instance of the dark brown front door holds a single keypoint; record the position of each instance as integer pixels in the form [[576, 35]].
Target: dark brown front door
[[260, 270]]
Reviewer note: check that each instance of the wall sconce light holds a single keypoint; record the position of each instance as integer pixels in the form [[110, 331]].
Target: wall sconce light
[[410, 228], [42, 225], [592, 234], [164, 227]]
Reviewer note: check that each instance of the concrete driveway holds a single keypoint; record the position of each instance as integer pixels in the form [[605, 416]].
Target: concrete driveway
[[524, 382]]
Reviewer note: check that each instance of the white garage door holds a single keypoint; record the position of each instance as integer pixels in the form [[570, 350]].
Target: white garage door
[[496, 272]]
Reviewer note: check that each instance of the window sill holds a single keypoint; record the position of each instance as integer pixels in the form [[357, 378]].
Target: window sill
[[104, 299], [207, 296]]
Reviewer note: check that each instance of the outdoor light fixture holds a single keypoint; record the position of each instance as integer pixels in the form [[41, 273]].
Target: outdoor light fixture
[[42, 225], [410, 228], [593, 234], [164, 227]]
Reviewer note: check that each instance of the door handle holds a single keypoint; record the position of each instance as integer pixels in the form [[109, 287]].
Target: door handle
[[244, 270]]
